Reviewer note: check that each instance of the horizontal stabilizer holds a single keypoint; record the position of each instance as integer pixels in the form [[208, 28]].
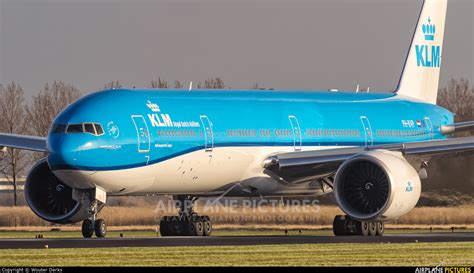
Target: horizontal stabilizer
[[457, 127]]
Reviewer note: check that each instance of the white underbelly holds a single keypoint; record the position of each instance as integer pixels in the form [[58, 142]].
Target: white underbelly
[[196, 172]]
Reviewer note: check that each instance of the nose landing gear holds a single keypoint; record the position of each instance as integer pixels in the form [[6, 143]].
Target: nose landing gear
[[93, 225], [89, 227]]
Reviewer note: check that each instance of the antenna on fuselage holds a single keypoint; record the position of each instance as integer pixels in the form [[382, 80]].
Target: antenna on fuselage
[[190, 85]]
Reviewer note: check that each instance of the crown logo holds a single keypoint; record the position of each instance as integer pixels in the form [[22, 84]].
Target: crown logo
[[153, 106], [429, 30]]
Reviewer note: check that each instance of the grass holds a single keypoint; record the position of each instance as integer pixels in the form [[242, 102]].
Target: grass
[[415, 254], [285, 216], [142, 222]]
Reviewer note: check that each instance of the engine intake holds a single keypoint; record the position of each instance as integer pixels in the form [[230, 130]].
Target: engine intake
[[377, 186], [51, 199]]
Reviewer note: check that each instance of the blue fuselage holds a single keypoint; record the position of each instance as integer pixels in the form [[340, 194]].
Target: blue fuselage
[[143, 127]]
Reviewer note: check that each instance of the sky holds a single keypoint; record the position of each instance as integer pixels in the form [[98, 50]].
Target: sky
[[281, 44]]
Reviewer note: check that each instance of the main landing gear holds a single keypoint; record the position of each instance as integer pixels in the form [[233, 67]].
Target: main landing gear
[[187, 223], [93, 225], [344, 225]]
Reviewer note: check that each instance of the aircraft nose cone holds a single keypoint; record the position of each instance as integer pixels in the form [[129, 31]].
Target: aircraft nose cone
[[62, 153]]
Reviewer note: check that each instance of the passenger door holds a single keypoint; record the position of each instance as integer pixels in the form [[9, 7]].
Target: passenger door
[[208, 135], [369, 138], [143, 134], [429, 127], [295, 127]]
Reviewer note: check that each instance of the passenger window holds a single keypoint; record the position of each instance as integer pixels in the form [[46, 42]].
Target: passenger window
[[74, 128], [89, 128], [98, 129], [59, 128]]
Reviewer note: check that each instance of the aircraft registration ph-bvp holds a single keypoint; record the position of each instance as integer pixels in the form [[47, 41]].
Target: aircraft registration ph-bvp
[[370, 149]]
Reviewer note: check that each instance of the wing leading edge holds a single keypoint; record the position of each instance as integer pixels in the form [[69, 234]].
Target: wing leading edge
[[32, 143]]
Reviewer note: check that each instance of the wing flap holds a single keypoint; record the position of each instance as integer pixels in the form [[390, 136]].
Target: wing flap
[[297, 159], [25, 142], [436, 147]]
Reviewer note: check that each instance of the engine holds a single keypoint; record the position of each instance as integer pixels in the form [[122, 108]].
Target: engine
[[377, 186], [53, 200]]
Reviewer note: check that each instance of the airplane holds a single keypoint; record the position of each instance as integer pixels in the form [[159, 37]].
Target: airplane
[[370, 150]]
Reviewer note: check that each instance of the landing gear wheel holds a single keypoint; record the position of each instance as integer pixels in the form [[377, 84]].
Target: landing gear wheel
[[380, 228], [176, 227], [100, 228], [373, 228], [198, 227], [87, 228], [338, 225], [189, 228], [207, 226], [345, 225], [362, 228], [187, 223]]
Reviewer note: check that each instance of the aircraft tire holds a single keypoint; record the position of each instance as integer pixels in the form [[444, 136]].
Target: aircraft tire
[[373, 228], [362, 228], [380, 228], [207, 226], [100, 228], [87, 228], [338, 226]]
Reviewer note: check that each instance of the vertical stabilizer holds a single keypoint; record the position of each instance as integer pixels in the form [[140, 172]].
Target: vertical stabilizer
[[420, 77]]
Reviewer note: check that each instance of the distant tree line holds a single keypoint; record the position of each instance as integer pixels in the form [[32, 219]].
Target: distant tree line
[[35, 117], [210, 83]]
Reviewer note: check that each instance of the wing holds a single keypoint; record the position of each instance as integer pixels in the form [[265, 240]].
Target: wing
[[312, 164], [32, 143]]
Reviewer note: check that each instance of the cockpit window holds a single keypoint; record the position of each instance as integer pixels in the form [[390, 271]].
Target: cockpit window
[[99, 129], [89, 128], [58, 128], [74, 128]]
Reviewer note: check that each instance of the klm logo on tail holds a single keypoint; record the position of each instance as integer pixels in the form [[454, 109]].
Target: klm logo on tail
[[428, 55]]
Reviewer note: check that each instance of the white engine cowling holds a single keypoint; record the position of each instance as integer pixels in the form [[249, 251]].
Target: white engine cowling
[[377, 186]]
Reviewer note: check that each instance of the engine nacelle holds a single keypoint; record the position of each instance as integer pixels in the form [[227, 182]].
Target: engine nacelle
[[377, 186], [53, 200]]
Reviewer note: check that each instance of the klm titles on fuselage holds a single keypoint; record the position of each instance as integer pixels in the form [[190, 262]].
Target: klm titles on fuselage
[[161, 120], [428, 55], [158, 120]]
